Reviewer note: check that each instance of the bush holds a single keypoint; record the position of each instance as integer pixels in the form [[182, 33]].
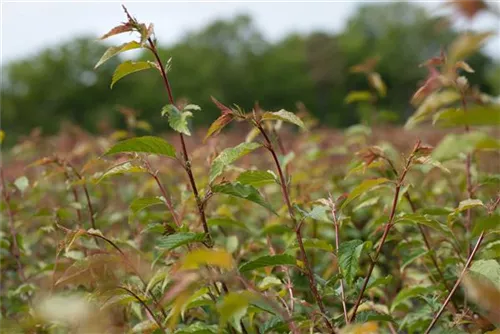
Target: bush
[[304, 234]]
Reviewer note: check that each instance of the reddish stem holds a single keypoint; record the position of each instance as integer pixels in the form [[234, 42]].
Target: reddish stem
[[298, 230], [187, 162], [337, 244], [16, 253], [387, 228]]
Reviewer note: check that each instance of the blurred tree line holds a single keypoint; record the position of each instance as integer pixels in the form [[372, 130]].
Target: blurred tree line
[[232, 61]]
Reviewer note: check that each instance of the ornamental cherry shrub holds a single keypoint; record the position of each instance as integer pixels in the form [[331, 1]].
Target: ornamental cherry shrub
[[277, 233]]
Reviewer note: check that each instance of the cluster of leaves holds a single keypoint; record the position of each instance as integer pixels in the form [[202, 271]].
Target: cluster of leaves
[[144, 236]]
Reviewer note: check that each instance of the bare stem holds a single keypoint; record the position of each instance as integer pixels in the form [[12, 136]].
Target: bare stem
[[298, 230], [491, 209], [468, 176], [187, 163], [16, 253], [164, 192], [75, 197], [272, 303], [387, 228], [337, 243], [457, 283], [427, 243], [143, 303]]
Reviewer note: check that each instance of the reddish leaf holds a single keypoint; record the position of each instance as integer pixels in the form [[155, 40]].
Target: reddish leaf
[[432, 83], [469, 8], [218, 124], [223, 108], [118, 30]]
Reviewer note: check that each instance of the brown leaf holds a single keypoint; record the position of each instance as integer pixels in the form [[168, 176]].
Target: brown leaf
[[223, 108], [218, 125], [117, 30], [469, 8], [485, 294], [367, 66]]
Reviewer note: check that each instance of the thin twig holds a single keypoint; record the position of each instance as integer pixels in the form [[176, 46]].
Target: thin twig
[[468, 176], [298, 230], [387, 228], [288, 319], [164, 192], [16, 253], [187, 163], [134, 269], [457, 284], [337, 244], [143, 303], [427, 243], [491, 209]]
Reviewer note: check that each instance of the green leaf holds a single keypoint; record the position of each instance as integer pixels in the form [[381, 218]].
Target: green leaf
[[140, 204], [247, 192], [179, 239], [469, 204], [256, 178], [119, 169], [478, 115], [284, 116], [453, 145], [431, 104], [234, 307], [146, 144], [226, 222], [146, 326], [489, 224], [268, 261], [410, 256], [467, 44], [373, 283], [376, 82], [369, 316], [269, 282], [22, 183], [362, 188], [115, 50], [410, 292], [357, 96], [130, 67], [424, 220], [160, 276], [315, 244], [349, 253], [199, 257], [178, 120], [228, 156], [489, 269]]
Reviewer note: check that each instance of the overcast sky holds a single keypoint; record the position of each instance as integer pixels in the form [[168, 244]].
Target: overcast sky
[[28, 27]]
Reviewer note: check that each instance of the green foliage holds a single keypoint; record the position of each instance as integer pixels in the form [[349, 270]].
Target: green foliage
[[268, 261], [349, 254], [129, 67], [228, 156], [146, 144], [244, 191], [232, 60], [366, 230]]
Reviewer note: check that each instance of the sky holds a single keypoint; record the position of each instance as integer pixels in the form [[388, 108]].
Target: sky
[[28, 27]]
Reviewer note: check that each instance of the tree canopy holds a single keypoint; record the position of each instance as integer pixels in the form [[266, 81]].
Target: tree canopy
[[232, 61]]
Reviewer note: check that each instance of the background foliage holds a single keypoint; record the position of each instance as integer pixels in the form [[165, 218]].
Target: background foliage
[[266, 223], [233, 61]]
